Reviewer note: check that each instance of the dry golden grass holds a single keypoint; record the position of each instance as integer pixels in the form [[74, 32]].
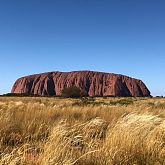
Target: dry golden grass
[[101, 131]]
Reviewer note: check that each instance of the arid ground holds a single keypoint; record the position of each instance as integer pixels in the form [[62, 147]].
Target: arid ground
[[88, 131]]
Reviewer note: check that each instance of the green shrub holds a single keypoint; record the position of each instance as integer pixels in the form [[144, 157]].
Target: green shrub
[[73, 92]]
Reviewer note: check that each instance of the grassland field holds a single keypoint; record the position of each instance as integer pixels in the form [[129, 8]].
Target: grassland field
[[86, 131]]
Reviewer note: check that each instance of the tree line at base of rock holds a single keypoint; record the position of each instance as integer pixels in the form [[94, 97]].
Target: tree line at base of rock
[[69, 92]]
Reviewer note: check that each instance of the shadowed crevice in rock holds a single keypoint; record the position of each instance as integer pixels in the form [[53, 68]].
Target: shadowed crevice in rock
[[122, 89], [94, 83], [50, 86], [34, 84]]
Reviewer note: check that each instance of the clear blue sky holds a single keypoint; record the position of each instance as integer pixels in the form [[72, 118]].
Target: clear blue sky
[[119, 36]]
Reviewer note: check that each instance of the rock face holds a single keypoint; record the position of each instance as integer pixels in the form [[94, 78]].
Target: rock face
[[94, 83]]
